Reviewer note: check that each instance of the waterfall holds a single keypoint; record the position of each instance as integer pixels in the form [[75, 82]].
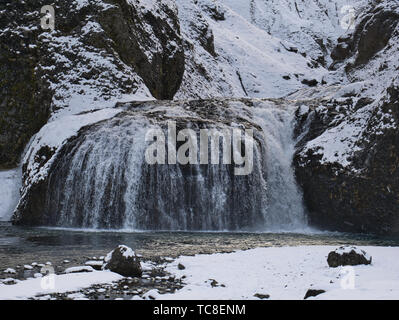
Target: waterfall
[[102, 181], [285, 208]]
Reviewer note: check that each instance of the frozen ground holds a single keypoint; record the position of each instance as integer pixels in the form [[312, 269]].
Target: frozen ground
[[60, 284], [286, 273], [278, 272]]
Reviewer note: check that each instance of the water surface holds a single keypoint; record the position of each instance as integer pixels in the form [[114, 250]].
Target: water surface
[[24, 245]]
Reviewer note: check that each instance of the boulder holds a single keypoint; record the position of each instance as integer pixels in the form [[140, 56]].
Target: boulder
[[313, 293], [123, 260], [348, 256]]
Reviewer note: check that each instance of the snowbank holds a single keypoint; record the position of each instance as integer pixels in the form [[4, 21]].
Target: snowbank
[[62, 283], [286, 273]]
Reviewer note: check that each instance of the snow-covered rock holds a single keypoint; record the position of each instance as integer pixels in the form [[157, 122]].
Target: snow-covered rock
[[348, 256], [123, 260]]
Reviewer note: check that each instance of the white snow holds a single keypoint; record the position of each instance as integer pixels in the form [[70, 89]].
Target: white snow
[[286, 273], [79, 269], [94, 263], [62, 284]]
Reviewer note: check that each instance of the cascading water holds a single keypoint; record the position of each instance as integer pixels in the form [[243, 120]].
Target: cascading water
[[285, 208], [102, 180]]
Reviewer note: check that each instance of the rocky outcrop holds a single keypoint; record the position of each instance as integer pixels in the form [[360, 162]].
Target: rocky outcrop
[[123, 260], [374, 29], [25, 97], [99, 51], [347, 157], [348, 256], [350, 182]]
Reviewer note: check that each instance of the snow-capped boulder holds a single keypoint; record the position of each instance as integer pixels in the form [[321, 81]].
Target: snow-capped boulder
[[123, 260], [348, 256]]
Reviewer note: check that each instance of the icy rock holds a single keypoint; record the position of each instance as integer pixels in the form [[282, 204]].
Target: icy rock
[[348, 256], [123, 260]]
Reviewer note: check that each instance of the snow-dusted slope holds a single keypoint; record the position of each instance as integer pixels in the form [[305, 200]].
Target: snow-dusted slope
[[252, 45]]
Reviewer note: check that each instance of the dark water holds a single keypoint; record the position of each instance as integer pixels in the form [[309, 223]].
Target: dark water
[[21, 245]]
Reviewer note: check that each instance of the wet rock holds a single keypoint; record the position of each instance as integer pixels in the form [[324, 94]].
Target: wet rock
[[348, 256], [123, 260], [313, 293]]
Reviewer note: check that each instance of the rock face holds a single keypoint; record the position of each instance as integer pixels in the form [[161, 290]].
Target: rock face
[[365, 197], [98, 52], [123, 260], [373, 31], [348, 256], [347, 157]]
